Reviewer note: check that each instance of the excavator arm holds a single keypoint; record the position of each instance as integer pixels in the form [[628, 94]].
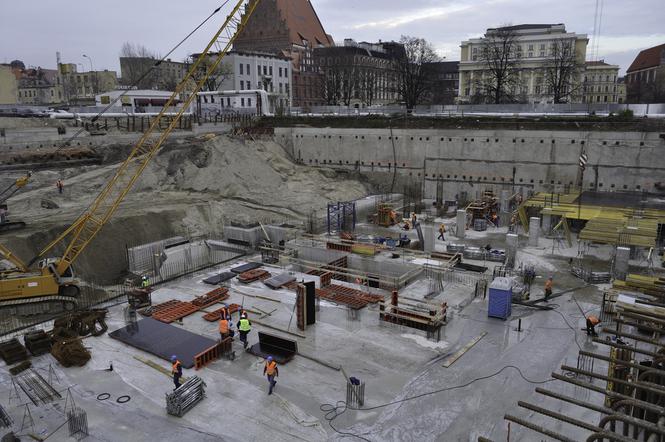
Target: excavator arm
[[7, 254], [14, 187], [79, 235]]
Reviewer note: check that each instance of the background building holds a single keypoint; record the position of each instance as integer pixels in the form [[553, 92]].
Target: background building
[[81, 87], [531, 55], [645, 78], [39, 86], [8, 85], [358, 74], [444, 82], [292, 29], [601, 84], [166, 76]]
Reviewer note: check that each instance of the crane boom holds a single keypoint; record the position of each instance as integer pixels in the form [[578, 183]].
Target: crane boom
[[78, 236]]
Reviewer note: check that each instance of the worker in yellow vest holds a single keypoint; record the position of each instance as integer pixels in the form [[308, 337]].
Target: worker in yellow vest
[[271, 371], [176, 371], [442, 231], [244, 327]]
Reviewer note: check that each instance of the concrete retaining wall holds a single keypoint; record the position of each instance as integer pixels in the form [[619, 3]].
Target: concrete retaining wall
[[466, 160]]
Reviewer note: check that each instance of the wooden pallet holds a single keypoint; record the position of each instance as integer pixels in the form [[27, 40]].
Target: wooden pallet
[[365, 296], [212, 297], [341, 298], [215, 316], [159, 307], [175, 312], [253, 275]]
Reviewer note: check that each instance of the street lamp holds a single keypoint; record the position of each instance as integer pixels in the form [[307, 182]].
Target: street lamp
[[92, 81]]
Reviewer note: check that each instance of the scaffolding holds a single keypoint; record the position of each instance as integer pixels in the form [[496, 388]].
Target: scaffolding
[[341, 216]]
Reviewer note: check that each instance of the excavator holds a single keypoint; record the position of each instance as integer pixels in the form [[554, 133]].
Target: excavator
[[5, 224], [47, 284]]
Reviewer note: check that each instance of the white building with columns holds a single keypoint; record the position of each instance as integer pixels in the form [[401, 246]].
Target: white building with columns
[[533, 48]]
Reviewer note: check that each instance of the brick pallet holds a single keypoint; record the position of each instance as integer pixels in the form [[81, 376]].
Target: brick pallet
[[341, 298], [214, 316], [175, 312], [365, 296], [253, 275]]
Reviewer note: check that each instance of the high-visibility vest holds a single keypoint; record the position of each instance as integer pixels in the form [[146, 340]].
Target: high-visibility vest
[[442, 229], [224, 326], [593, 320], [271, 367], [145, 283], [244, 325], [176, 367]]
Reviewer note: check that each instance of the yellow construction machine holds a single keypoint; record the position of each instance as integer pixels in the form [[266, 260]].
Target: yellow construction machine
[[51, 286]]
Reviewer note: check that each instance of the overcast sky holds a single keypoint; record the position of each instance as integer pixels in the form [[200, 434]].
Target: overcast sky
[[33, 31]]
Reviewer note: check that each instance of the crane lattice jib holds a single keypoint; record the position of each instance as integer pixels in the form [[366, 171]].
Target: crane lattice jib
[[88, 224]]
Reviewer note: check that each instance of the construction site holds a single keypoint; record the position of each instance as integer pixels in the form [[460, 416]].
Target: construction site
[[427, 279]]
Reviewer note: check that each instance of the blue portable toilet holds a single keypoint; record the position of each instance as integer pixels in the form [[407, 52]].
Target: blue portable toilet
[[500, 298]]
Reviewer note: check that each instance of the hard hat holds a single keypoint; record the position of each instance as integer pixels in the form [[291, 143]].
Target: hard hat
[[269, 358], [174, 358], [144, 277]]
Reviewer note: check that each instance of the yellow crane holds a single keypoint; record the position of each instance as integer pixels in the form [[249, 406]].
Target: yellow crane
[[15, 186], [51, 285]]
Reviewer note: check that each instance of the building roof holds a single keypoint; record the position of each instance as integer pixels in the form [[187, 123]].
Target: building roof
[[303, 23], [525, 27], [648, 58]]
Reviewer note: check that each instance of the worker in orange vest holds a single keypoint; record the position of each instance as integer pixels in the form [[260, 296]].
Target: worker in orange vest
[[176, 371], [591, 322], [225, 324], [548, 288], [271, 371]]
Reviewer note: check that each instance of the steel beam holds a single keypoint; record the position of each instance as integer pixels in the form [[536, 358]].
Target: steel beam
[[537, 428]]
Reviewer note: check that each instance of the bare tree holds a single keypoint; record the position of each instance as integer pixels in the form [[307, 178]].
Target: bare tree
[[349, 84], [331, 85], [216, 78], [137, 65], [412, 82], [500, 82], [562, 71], [368, 86]]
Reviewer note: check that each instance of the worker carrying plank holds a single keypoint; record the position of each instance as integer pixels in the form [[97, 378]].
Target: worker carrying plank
[[548, 288], [591, 323], [271, 371], [176, 371]]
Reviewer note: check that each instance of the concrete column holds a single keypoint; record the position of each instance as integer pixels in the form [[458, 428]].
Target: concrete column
[[428, 237], [511, 249], [461, 223], [621, 262], [547, 223], [504, 204], [534, 231]]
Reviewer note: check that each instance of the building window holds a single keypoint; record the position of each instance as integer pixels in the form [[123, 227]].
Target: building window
[[530, 55], [247, 68], [265, 70], [542, 47], [241, 69], [249, 102], [228, 102], [242, 85], [270, 71], [280, 88], [280, 72], [605, 99], [531, 47], [542, 53], [242, 102]]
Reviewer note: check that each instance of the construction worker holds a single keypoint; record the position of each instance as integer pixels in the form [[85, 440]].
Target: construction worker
[[406, 225], [414, 219], [495, 219], [548, 288], [176, 371], [60, 185], [225, 324], [145, 283], [591, 323], [244, 327], [271, 371], [393, 217], [442, 230]]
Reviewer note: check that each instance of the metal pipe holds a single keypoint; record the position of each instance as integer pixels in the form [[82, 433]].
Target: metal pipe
[[620, 361], [537, 428], [643, 317], [648, 426], [653, 388], [638, 325], [612, 394], [626, 347], [558, 416], [579, 403], [634, 337]]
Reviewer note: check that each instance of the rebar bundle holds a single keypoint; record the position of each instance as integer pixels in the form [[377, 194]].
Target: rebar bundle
[[185, 397], [5, 419], [36, 387], [77, 419]]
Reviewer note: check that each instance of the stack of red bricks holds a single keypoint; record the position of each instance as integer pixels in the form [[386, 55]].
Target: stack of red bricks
[[253, 275]]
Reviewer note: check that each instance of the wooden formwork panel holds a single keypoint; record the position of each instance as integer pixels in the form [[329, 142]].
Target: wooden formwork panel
[[208, 356], [216, 315], [175, 312], [212, 297]]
